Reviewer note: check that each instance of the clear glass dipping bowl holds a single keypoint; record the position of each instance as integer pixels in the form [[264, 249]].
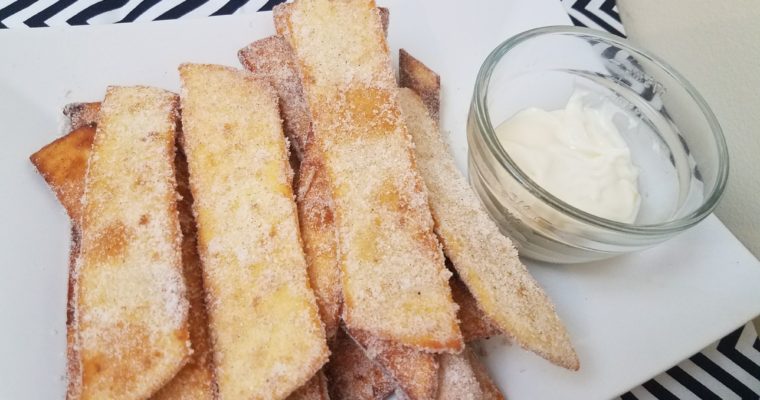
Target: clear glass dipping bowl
[[675, 141]]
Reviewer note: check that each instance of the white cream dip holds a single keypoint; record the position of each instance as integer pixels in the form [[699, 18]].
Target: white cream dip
[[577, 155]]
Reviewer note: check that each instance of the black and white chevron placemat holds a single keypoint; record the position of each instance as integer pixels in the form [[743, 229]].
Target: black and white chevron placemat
[[600, 14], [41, 13], [728, 369]]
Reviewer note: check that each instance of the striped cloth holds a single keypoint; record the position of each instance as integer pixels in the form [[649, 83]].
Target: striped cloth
[[41, 13], [597, 14], [727, 369]]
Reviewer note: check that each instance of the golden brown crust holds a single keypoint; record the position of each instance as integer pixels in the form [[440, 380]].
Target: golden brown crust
[[415, 372], [474, 323], [353, 376], [314, 200], [383, 222], [272, 60], [131, 311], [63, 164], [195, 380], [484, 258], [415, 75], [314, 389], [268, 338], [72, 358], [82, 114], [385, 19]]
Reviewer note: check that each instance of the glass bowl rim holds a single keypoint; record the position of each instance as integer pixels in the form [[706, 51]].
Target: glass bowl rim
[[494, 146]]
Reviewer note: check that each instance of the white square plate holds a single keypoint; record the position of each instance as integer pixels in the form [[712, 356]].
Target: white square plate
[[630, 317]]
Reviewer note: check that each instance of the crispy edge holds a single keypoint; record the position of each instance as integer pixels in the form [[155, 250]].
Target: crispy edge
[[351, 375], [415, 75], [314, 389], [487, 385], [385, 18], [415, 372], [314, 201], [63, 164], [196, 380], [72, 356], [271, 60], [82, 114], [474, 323]]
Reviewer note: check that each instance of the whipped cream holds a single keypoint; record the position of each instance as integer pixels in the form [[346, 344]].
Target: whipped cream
[[578, 155]]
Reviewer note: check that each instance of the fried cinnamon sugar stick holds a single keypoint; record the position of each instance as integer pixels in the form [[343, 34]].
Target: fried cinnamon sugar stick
[[393, 277], [272, 60], [484, 259], [130, 316], [416, 374], [63, 165], [268, 339]]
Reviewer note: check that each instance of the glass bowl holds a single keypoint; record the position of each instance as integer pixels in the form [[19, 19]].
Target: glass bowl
[[675, 141]]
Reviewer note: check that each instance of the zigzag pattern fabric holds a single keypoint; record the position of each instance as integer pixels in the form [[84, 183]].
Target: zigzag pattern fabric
[[43, 13], [597, 14], [727, 369]]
